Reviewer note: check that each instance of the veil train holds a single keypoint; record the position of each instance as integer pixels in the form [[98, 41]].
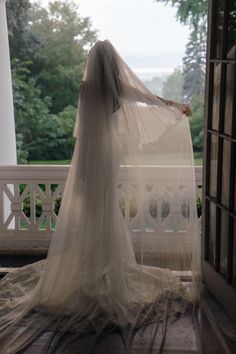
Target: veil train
[[103, 272]]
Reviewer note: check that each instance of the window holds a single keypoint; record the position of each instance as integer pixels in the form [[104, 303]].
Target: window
[[219, 196]]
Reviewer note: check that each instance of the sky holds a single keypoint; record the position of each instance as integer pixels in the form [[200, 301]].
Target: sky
[[145, 32]]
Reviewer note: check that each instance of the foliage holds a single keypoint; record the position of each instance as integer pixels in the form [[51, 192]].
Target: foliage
[[48, 53], [188, 11], [155, 85], [23, 42], [196, 122], [66, 121], [194, 63], [199, 206], [22, 154], [38, 201], [37, 128], [173, 86], [172, 89], [62, 55], [194, 14]]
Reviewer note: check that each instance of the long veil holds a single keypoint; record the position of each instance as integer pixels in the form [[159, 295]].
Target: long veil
[[127, 232]]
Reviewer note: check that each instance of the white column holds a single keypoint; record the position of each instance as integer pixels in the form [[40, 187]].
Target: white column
[[7, 124]]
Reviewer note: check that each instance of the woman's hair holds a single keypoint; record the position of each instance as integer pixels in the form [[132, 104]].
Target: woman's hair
[[102, 75], [100, 92]]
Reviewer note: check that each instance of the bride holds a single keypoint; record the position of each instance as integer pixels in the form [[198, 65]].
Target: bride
[[98, 273]]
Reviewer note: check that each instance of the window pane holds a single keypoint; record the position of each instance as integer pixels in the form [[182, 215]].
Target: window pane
[[218, 30], [225, 173], [224, 242], [229, 98], [216, 97], [212, 235], [213, 165], [234, 254], [231, 34], [234, 168]]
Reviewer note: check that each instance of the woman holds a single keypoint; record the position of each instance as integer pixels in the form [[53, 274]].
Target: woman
[[91, 280]]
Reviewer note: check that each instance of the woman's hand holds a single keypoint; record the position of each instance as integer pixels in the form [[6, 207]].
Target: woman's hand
[[185, 109], [182, 107]]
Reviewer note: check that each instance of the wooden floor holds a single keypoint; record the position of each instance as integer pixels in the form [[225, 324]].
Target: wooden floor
[[180, 338]]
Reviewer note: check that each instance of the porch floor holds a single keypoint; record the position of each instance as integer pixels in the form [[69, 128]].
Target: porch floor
[[180, 338]]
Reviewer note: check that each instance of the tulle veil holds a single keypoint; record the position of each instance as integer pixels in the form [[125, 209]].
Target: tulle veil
[[127, 232]]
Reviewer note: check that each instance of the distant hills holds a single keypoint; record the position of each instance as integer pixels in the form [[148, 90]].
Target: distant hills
[[161, 62], [154, 69], [155, 85]]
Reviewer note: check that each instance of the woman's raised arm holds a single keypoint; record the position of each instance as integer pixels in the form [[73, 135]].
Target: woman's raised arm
[[140, 96]]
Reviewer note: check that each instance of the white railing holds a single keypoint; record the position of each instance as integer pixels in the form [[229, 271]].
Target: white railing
[[29, 197]]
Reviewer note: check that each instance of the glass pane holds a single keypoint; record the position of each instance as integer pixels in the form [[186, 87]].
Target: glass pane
[[213, 165], [224, 242], [225, 173], [234, 254], [212, 235], [231, 34], [218, 28], [229, 98], [216, 97], [234, 168]]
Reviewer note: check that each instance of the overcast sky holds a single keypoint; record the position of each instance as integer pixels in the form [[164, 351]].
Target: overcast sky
[[145, 33]]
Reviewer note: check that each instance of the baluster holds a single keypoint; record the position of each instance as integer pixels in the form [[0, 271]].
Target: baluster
[[159, 207], [127, 207], [141, 210], [47, 206], [1, 207], [175, 208], [33, 224], [15, 205]]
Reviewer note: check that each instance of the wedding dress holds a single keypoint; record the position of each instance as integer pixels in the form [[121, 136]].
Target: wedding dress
[[91, 279]]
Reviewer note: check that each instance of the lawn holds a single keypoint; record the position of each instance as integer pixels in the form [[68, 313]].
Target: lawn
[[198, 158], [50, 162]]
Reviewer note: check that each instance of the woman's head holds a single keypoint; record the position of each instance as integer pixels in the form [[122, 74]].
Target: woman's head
[[103, 53], [102, 71], [100, 94]]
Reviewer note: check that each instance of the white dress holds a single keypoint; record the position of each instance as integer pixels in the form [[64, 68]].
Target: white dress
[[93, 271], [90, 278], [97, 262]]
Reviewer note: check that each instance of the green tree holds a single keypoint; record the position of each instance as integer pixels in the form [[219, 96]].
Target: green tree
[[36, 129], [65, 37], [66, 121], [23, 42], [155, 85], [196, 122], [48, 53], [193, 83], [22, 154], [194, 63], [188, 11], [173, 86], [194, 14]]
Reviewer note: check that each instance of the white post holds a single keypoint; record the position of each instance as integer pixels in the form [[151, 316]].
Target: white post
[[7, 124]]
